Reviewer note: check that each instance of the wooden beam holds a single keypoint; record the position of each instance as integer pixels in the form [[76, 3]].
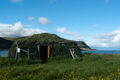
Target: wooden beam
[[72, 54], [48, 52], [24, 50], [16, 56], [38, 47], [28, 53]]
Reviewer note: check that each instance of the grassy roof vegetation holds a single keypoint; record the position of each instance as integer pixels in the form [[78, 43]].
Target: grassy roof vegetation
[[44, 38], [5, 42], [59, 46], [89, 67]]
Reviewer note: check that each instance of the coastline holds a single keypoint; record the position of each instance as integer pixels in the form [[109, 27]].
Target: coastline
[[88, 49], [4, 49]]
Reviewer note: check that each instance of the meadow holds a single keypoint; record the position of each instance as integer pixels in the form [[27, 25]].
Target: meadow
[[87, 67]]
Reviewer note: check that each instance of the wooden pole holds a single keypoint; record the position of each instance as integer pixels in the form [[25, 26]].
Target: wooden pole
[[72, 54], [16, 52], [28, 53], [48, 52], [38, 47], [18, 55]]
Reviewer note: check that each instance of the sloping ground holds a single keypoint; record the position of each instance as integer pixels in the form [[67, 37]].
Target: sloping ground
[[82, 44], [44, 38], [90, 67], [5, 44]]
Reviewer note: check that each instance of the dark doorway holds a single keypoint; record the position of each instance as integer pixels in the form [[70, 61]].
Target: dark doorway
[[44, 52]]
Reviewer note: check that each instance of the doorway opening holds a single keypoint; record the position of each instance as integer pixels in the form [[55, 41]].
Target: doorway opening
[[44, 52]]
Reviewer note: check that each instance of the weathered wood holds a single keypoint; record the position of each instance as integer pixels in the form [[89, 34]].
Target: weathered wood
[[28, 53], [16, 52], [38, 47], [18, 55], [48, 52], [24, 50], [73, 53]]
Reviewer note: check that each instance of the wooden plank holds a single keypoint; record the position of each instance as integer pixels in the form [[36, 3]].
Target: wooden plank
[[72, 54], [48, 52], [28, 53], [16, 56], [38, 47], [24, 50]]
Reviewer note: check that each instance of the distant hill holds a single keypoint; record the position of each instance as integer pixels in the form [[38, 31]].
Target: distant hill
[[82, 44], [5, 42]]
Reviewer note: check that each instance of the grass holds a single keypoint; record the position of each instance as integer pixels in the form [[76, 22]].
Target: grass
[[89, 67]]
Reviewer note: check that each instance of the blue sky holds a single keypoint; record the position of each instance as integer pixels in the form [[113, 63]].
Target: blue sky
[[97, 22]]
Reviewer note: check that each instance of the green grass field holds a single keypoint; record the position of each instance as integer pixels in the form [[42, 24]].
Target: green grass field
[[89, 67]]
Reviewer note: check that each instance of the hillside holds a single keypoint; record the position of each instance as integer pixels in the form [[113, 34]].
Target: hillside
[[90, 67], [58, 46], [5, 43], [44, 38], [82, 44]]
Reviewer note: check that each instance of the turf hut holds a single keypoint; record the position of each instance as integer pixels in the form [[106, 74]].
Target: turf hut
[[42, 46]]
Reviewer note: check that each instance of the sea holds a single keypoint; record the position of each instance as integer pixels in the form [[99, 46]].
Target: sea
[[103, 52], [4, 53]]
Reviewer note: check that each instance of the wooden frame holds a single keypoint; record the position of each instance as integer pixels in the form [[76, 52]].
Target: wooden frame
[[48, 52]]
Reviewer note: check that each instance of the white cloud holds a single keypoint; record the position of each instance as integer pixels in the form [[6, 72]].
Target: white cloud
[[16, 1], [96, 44], [69, 33], [4, 25], [17, 30], [28, 25], [107, 40], [62, 30], [30, 18], [43, 20]]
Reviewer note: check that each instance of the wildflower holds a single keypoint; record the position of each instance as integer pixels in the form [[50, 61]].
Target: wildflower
[[119, 70], [75, 79], [92, 78], [108, 78]]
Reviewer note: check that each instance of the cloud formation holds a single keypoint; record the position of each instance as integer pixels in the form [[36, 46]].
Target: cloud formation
[[16, 1], [43, 20], [65, 31], [107, 40], [75, 35], [30, 18], [17, 30]]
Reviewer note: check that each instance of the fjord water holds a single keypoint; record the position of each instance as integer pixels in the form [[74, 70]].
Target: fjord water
[[103, 52], [3, 53]]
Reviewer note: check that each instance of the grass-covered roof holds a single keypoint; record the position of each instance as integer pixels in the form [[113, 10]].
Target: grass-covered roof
[[44, 38], [58, 45]]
